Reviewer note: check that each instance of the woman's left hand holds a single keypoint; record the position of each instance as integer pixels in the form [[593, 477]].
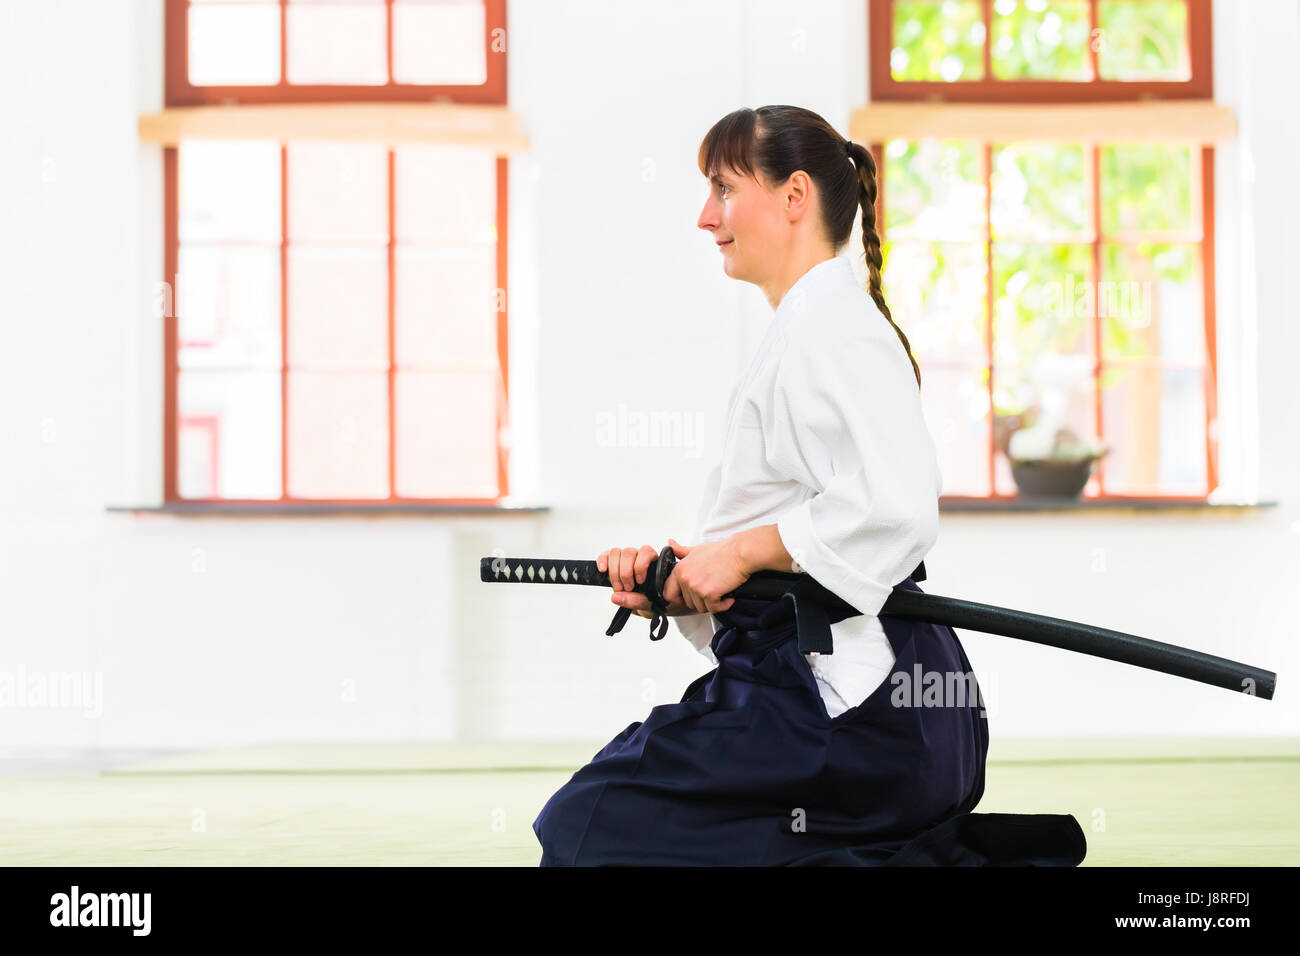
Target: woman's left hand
[[704, 573]]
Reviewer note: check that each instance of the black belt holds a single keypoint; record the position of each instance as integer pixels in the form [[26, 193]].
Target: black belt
[[812, 615], [807, 600]]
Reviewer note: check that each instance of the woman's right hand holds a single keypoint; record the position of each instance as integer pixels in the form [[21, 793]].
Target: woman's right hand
[[627, 568]]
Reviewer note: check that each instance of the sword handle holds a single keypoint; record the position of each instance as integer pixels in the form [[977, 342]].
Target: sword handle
[[541, 571]]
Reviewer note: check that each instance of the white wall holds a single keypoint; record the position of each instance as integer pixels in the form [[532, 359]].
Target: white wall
[[209, 631]]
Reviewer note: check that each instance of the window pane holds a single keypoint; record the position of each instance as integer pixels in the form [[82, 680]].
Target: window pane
[[447, 433], [1146, 187], [338, 434], [1040, 300], [1040, 192], [1143, 40], [1042, 340], [1057, 390], [234, 44], [229, 190], [332, 42], [338, 307], [338, 191], [439, 42], [1038, 40], [937, 293], [955, 402], [446, 194], [1152, 303], [228, 434], [937, 41], [446, 305], [933, 189], [1155, 427], [228, 309]]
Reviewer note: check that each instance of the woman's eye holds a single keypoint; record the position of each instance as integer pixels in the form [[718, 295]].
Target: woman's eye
[[721, 189]]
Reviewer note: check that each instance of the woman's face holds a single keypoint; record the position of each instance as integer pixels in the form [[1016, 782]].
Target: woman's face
[[744, 217]]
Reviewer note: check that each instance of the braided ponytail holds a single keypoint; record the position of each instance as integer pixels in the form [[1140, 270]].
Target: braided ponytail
[[866, 166]]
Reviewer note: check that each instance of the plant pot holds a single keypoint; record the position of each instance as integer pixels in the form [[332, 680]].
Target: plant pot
[[1051, 479]]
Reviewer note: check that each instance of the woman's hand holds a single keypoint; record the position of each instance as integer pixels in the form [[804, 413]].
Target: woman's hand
[[704, 573], [627, 568]]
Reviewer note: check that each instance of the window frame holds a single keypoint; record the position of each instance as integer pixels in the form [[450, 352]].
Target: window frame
[[179, 93], [1200, 85], [884, 88]]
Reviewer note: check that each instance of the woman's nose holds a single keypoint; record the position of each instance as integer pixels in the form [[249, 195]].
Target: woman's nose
[[708, 216]]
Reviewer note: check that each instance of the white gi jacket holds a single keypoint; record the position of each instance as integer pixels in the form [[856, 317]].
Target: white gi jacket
[[825, 437]]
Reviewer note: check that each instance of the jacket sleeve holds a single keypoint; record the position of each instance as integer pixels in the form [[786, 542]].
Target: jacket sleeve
[[845, 420]]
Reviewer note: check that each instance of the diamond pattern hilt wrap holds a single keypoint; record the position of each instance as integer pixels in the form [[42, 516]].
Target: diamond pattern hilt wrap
[[544, 571]]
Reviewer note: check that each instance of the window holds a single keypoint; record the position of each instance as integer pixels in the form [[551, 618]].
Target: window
[[1064, 279], [339, 299]]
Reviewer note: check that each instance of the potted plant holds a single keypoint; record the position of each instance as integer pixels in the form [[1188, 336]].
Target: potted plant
[[1007, 424], [1050, 462]]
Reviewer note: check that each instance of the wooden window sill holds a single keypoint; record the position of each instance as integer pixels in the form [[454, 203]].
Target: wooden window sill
[[208, 509], [1162, 505], [492, 127], [1199, 121]]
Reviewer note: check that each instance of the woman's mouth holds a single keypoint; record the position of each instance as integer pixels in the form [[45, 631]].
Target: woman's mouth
[[723, 245]]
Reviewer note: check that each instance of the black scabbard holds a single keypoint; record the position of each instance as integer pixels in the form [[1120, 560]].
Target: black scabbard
[[812, 599]]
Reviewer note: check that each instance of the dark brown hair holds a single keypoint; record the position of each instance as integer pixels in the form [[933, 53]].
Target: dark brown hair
[[777, 140]]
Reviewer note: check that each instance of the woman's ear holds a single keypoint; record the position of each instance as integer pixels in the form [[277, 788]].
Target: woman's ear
[[798, 194]]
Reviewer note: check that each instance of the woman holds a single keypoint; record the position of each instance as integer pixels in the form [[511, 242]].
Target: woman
[[776, 757]]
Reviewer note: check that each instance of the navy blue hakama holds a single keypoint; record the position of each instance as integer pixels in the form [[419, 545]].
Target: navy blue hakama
[[750, 770]]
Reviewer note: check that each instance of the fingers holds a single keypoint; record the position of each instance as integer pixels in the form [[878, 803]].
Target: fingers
[[680, 591], [627, 567], [632, 600], [643, 559], [616, 569], [676, 589], [672, 590], [691, 599], [622, 566], [673, 593]]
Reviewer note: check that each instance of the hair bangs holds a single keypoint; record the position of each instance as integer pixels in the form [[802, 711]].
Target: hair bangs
[[728, 144]]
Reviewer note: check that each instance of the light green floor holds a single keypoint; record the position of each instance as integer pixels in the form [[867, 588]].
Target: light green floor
[[1141, 802]]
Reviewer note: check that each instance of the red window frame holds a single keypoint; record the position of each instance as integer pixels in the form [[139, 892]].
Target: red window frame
[[178, 92], [1200, 85]]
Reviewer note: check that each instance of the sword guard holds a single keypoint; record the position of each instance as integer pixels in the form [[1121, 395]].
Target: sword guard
[[656, 580]]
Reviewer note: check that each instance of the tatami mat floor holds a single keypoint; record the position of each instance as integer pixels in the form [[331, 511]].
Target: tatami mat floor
[[1140, 801]]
